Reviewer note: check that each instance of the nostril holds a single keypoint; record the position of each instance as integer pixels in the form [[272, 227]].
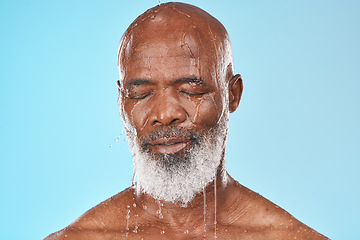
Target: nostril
[[174, 121], [156, 122]]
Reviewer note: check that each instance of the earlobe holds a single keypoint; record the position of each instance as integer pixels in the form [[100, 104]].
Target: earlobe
[[235, 91]]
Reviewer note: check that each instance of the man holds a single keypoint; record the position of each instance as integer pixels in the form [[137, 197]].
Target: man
[[176, 90]]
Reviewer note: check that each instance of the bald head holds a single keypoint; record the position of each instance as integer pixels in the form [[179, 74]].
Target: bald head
[[178, 30]]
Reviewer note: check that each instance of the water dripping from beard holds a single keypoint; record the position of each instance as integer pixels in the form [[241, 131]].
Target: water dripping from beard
[[177, 177]]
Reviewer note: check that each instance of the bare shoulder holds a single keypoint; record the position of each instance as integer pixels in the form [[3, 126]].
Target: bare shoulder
[[254, 214], [106, 219]]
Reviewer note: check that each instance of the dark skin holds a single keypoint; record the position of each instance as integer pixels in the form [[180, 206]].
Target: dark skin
[[178, 72]]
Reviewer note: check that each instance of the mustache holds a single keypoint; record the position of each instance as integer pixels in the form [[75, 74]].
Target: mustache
[[168, 132]]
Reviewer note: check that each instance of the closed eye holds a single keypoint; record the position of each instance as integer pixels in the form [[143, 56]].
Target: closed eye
[[192, 86], [138, 88], [193, 93], [139, 97]]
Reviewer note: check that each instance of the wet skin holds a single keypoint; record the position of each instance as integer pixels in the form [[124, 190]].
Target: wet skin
[[241, 214], [178, 72]]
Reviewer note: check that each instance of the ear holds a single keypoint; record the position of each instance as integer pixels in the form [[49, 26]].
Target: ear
[[118, 85], [235, 90]]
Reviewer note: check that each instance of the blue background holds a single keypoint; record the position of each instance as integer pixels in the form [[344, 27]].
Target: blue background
[[294, 139]]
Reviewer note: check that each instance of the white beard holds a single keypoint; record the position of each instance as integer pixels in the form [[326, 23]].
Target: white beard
[[180, 181]]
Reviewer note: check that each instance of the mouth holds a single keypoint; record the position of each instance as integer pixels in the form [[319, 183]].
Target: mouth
[[170, 145]]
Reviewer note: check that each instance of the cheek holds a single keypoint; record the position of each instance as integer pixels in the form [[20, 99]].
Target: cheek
[[207, 111], [134, 115]]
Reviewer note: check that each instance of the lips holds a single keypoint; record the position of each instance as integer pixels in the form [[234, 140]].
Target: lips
[[169, 145]]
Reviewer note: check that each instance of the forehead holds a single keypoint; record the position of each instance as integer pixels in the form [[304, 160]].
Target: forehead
[[166, 53]]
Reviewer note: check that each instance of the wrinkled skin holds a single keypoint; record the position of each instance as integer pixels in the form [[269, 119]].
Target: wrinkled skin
[[160, 55]]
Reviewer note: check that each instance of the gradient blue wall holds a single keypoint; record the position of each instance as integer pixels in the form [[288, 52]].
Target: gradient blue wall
[[294, 139]]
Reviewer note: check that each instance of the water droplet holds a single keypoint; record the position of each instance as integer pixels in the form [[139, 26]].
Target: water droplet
[[134, 204], [159, 213], [144, 207], [127, 221], [186, 231], [204, 193], [162, 232], [128, 206], [215, 222]]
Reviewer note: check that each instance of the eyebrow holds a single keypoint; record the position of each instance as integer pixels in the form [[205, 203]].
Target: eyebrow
[[190, 80], [136, 82]]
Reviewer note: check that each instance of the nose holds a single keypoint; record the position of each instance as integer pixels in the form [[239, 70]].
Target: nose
[[167, 110]]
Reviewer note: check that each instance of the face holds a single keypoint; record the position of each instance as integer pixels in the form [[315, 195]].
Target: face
[[166, 84], [174, 106]]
